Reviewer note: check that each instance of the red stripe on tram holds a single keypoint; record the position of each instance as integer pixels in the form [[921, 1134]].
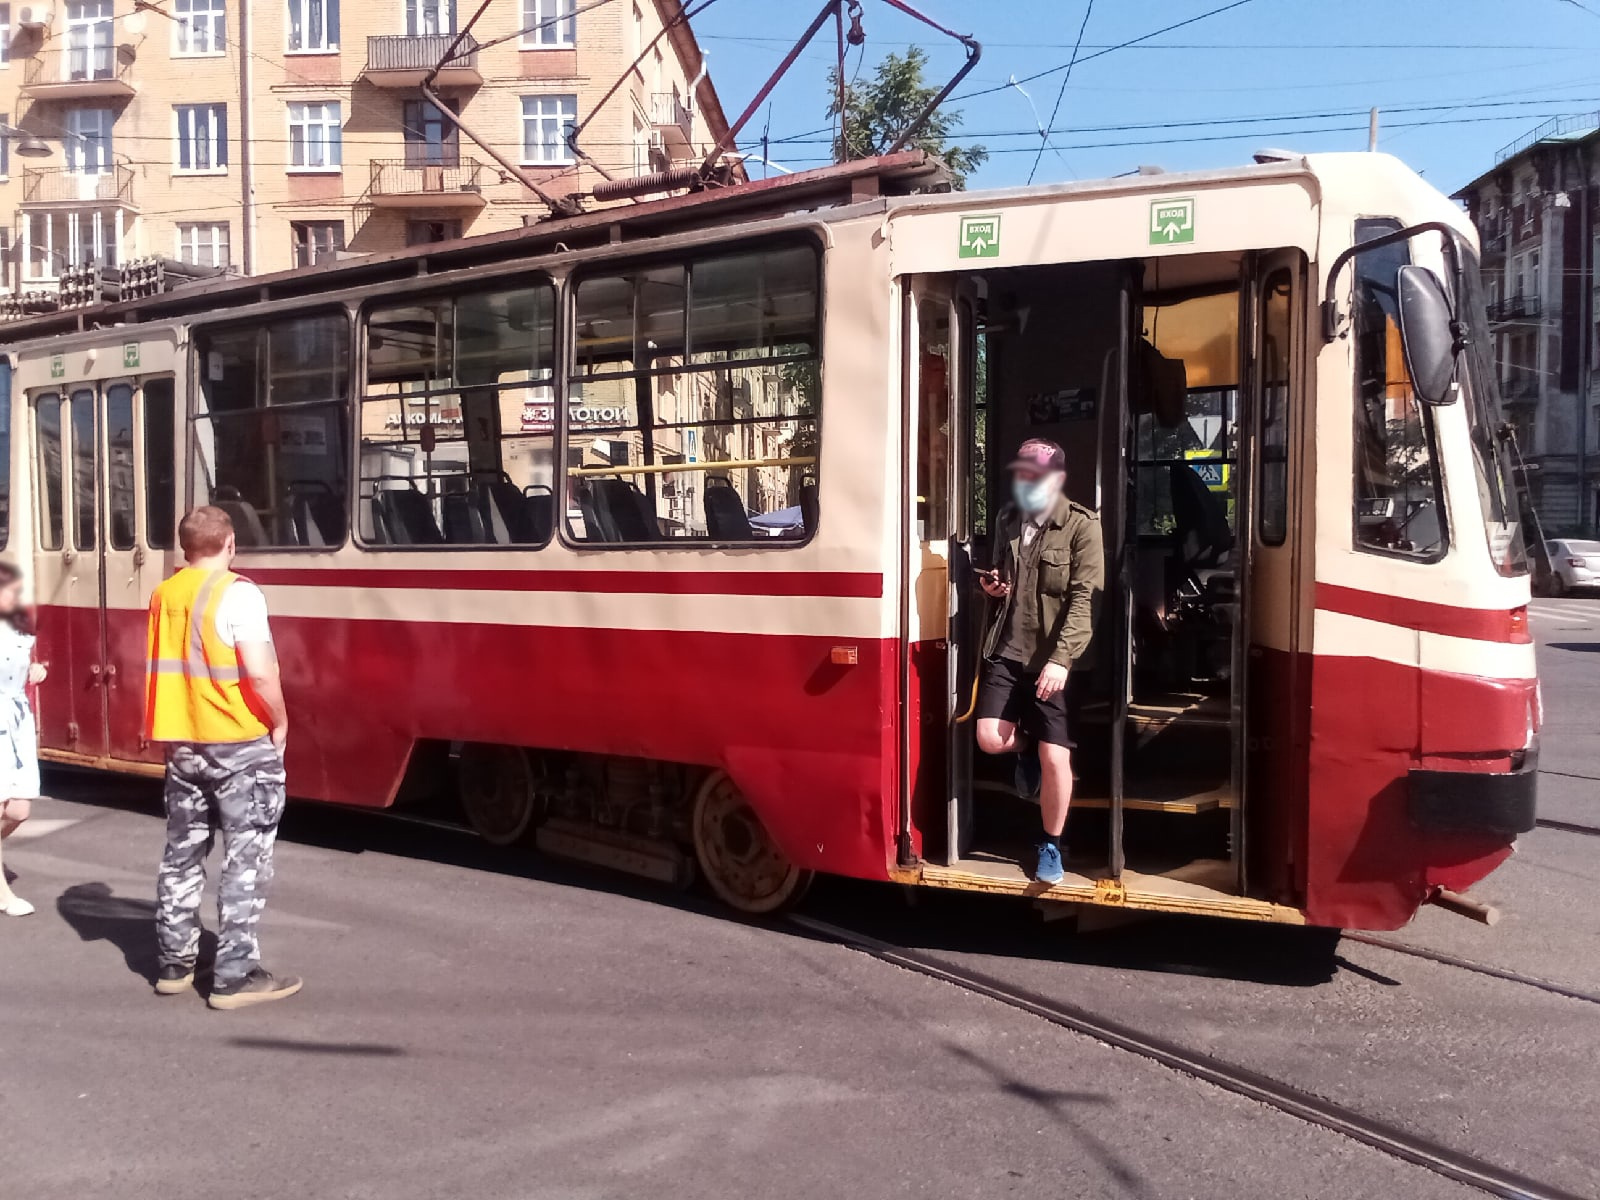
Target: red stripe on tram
[[1448, 620]]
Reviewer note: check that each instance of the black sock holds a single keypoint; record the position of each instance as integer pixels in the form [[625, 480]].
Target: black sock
[[1053, 839]]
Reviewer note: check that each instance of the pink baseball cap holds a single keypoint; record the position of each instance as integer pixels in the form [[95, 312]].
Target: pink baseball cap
[[1037, 454]]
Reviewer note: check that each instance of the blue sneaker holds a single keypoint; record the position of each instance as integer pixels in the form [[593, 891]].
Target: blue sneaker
[[1049, 869], [1029, 778]]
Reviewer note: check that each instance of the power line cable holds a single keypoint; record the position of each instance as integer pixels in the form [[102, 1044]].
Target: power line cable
[[1044, 134]]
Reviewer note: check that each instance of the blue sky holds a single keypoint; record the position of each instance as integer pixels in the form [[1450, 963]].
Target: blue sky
[[1457, 79]]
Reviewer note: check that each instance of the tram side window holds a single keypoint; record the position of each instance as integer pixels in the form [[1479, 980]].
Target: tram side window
[[1275, 332], [5, 454], [458, 419], [47, 427], [693, 406], [1398, 498], [271, 429], [160, 464], [119, 466], [84, 531]]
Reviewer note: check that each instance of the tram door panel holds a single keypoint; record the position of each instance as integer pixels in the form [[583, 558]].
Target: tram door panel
[[938, 335], [92, 576], [68, 571]]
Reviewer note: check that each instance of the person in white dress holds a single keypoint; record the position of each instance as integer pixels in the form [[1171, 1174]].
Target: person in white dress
[[19, 743]]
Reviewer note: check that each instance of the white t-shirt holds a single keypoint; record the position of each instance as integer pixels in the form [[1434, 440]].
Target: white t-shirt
[[242, 614]]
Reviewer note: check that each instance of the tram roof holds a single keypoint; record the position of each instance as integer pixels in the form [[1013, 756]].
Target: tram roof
[[910, 179]]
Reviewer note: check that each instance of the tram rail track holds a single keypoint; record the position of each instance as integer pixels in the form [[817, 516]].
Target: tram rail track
[[1402, 1144]]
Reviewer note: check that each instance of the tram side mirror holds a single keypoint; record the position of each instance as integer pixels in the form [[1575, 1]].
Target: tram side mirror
[[1430, 334]]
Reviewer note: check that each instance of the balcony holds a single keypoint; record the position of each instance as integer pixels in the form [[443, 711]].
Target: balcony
[[44, 187], [673, 122], [79, 73], [1520, 389], [396, 60], [408, 183], [1514, 308]]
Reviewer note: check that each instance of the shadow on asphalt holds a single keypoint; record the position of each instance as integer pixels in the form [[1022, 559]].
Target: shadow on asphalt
[[921, 918], [129, 925], [298, 1046], [1578, 647]]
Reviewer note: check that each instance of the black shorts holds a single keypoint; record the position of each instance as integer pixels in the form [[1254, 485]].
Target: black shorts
[[1009, 693]]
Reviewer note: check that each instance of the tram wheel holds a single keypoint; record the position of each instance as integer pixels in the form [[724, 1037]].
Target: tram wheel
[[737, 855], [498, 796]]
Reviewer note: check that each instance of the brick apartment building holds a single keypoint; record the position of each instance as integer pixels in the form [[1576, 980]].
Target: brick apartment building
[[1535, 212], [258, 135]]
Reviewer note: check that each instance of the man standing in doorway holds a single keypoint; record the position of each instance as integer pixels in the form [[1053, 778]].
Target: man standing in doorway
[[1048, 574], [214, 698]]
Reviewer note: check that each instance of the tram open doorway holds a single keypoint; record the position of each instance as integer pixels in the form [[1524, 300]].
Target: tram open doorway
[[1138, 370]]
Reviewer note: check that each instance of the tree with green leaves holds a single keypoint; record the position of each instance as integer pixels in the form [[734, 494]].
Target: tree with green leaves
[[876, 112]]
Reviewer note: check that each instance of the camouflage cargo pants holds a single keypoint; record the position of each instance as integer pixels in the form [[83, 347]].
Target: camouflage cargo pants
[[238, 788]]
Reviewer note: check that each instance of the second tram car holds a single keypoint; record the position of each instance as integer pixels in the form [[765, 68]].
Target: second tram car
[[654, 529]]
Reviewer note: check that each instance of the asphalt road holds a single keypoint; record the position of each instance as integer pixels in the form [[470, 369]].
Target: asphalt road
[[479, 1023]]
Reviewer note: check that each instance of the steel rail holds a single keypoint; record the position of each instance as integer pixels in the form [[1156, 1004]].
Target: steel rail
[[1379, 1135], [1477, 968]]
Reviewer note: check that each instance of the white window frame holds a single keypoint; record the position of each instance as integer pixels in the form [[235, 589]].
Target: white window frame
[[79, 136], [445, 18], [187, 121], [333, 124], [213, 236], [5, 35], [302, 9], [332, 250], [97, 229], [196, 22], [567, 114], [562, 34]]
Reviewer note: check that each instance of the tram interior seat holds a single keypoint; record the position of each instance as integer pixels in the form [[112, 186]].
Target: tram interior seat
[[621, 513], [247, 527], [726, 517], [407, 517], [810, 507], [463, 522], [510, 517], [316, 518]]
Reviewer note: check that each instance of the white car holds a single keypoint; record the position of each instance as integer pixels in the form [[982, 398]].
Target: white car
[[1573, 565]]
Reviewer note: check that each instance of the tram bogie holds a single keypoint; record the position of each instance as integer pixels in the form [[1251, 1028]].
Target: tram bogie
[[658, 529]]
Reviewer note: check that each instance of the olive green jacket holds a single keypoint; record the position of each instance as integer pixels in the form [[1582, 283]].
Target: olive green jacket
[[1070, 575]]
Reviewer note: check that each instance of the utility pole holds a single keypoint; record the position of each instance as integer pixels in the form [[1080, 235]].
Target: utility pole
[[1372, 132]]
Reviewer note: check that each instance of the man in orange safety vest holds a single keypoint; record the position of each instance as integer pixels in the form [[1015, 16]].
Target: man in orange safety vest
[[215, 700]]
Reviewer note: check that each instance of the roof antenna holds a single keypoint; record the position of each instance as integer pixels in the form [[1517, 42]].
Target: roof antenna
[[563, 206]]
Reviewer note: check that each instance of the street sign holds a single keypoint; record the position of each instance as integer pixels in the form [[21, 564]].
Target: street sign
[[980, 237], [130, 354], [1171, 221]]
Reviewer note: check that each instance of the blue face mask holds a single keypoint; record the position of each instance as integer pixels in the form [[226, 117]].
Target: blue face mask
[[1034, 496]]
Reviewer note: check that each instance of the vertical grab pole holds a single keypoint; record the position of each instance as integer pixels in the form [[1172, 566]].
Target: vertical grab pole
[[1121, 578]]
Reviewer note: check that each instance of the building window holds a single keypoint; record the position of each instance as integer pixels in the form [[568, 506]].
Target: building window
[[5, 34], [548, 24], [202, 137], [1399, 506], [545, 123], [87, 146], [426, 233], [432, 139], [201, 27], [314, 136], [425, 17], [203, 243], [458, 420], [316, 241], [693, 403], [67, 238], [5, 147], [313, 25], [270, 428], [91, 53]]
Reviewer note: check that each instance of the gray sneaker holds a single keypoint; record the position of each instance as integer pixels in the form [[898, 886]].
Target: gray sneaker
[[259, 987]]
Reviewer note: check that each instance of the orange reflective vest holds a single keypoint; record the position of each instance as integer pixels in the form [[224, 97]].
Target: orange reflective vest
[[194, 691]]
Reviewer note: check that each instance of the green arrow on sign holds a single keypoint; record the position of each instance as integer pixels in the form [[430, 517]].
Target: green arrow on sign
[[1171, 221]]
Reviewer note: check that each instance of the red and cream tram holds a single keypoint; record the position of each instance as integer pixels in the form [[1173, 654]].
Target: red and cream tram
[[653, 529]]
